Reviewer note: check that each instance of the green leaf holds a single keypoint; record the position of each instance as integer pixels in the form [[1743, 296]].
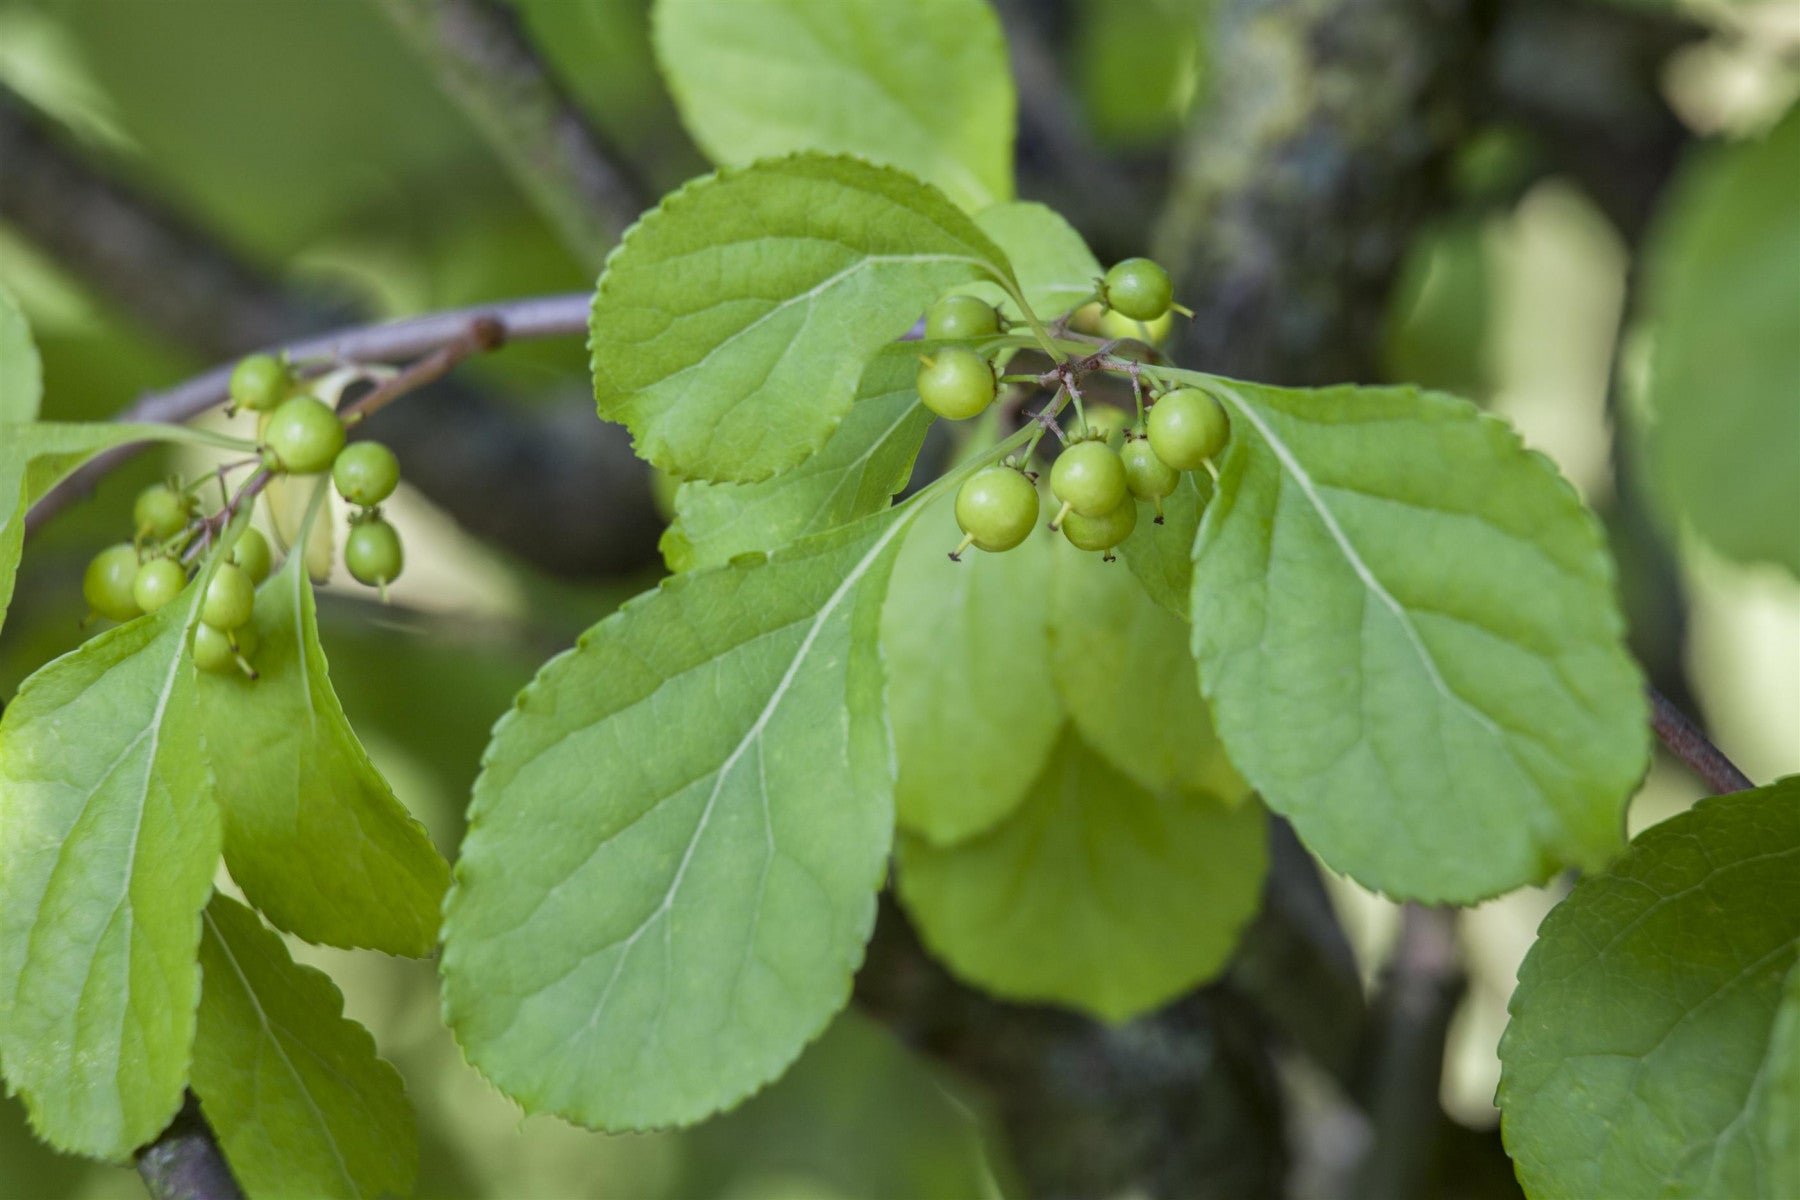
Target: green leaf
[[858, 472], [313, 833], [733, 322], [969, 691], [109, 835], [926, 88], [301, 1103], [1122, 668], [1054, 267], [1161, 556], [1779, 1127], [676, 840], [1095, 893], [1406, 626], [1140, 67], [1724, 313], [35, 458], [21, 372], [1640, 1059]]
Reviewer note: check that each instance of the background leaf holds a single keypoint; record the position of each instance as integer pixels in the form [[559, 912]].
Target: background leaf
[[1095, 893], [1121, 666], [1052, 263], [1638, 1057], [733, 322], [300, 1102], [969, 690], [1406, 627], [1161, 556], [924, 87], [109, 836], [313, 833], [858, 471], [1724, 314], [675, 843], [21, 373], [1778, 1131]]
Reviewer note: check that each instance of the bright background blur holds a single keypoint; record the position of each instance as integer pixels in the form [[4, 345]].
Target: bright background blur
[[309, 139]]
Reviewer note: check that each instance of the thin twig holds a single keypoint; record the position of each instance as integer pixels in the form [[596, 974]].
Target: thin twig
[[1683, 738], [580, 182], [483, 335], [394, 341]]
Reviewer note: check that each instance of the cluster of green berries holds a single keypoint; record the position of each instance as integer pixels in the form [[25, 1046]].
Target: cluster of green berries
[[300, 435], [144, 575], [1097, 488]]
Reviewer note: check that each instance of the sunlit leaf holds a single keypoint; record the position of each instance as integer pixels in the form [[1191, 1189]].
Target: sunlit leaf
[[1405, 624], [1651, 1048], [21, 373], [924, 87], [1095, 893], [733, 322]]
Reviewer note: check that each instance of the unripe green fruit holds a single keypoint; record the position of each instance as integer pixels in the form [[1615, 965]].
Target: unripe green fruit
[[1103, 532], [158, 581], [1187, 427], [957, 383], [372, 553], [1106, 422], [1148, 477], [260, 382], [214, 649], [366, 473], [230, 598], [996, 507], [960, 318], [252, 554], [160, 512], [107, 584], [1089, 479], [1139, 289], [305, 435]]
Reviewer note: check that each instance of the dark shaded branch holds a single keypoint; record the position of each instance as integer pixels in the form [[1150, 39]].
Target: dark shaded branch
[[185, 1162], [1181, 1103], [1321, 150], [1423, 984], [484, 60], [176, 281], [1685, 741]]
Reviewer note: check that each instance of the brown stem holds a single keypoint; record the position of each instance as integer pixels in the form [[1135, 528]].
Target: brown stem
[[185, 1162], [1683, 738], [483, 335]]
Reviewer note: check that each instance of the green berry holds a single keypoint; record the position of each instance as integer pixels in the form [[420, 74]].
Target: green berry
[[160, 512], [961, 318], [1148, 477], [1139, 289], [158, 581], [366, 473], [107, 583], [1107, 423], [1186, 428], [958, 383], [230, 598], [305, 435], [996, 508], [1089, 479], [372, 553], [218, 650], [1103, 532], [252, 553], [1154, 333], [260, 382]]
